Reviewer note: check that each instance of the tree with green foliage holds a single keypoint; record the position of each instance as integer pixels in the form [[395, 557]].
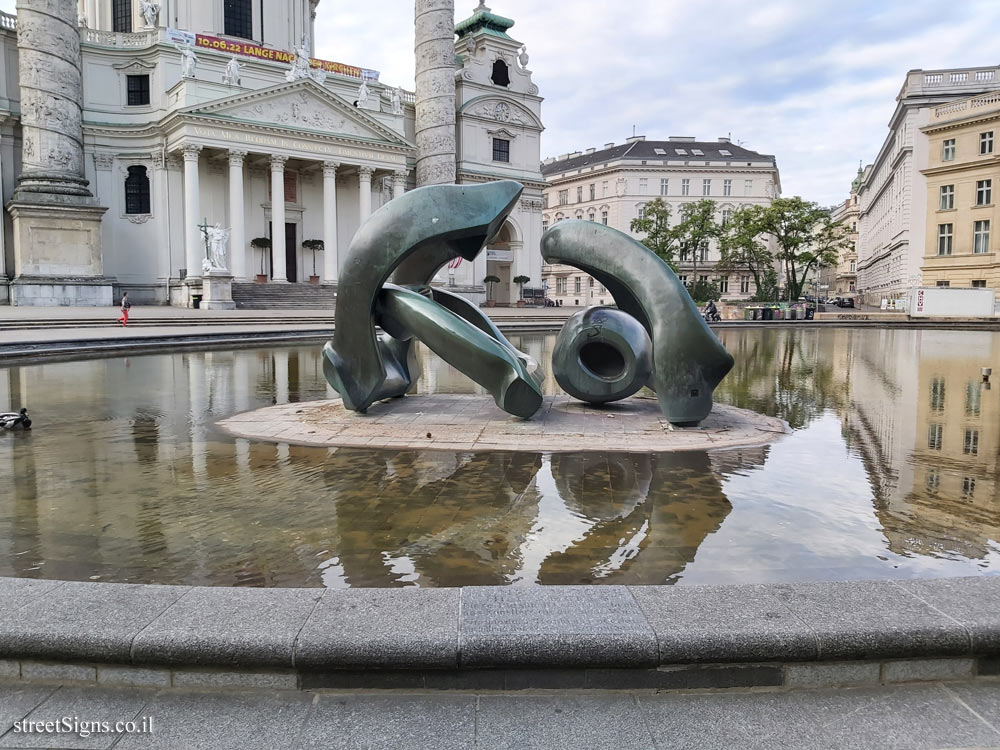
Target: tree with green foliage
[[743, 249], [805, 237], [702, 291], [696, 228], [521, 281], [660, 236]]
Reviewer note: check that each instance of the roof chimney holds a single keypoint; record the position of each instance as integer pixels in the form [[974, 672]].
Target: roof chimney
[[724, 139], [687, 138], [635, 138], [590, 150], [609, 145]]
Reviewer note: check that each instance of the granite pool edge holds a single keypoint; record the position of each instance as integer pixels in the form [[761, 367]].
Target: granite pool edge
[[583, 636]]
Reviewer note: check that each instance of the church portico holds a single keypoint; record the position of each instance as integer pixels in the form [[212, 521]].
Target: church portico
[[217, 116]]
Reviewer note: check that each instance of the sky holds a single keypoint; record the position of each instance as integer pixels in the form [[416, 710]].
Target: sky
[[812, 82]]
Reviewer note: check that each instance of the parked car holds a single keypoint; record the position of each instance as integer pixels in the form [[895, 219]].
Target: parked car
[[844, 302]]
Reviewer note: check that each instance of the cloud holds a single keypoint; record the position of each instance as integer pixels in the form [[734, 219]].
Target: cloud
[[813, 83]]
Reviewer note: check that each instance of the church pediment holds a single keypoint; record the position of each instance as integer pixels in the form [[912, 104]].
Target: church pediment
[[302, 105], [502, 111]]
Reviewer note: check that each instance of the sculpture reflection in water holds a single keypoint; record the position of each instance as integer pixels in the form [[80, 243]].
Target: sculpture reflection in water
[[655, 338], [524, 517]]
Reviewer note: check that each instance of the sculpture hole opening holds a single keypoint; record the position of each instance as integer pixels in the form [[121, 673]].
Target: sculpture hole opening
[[603, 360]]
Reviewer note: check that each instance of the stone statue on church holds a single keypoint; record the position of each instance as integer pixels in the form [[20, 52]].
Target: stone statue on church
[[216, 239], [363, 93], [189, 60], [302, 68], [397, 101], [150, 12], [231, 76]]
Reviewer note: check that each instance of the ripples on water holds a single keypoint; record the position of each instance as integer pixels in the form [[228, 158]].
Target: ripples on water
[[891, 472]]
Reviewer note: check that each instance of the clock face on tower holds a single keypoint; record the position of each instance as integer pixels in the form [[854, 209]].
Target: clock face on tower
[[502, 112]]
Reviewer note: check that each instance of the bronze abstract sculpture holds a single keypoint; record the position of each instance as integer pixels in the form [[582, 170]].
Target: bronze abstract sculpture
[[656, 336]]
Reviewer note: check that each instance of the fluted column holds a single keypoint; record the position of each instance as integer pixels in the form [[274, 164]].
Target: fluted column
[[331, 259], [434, 50], [279, 272], [237, 219], [398, 183], [194, 245], [365, 192], [51, 84]]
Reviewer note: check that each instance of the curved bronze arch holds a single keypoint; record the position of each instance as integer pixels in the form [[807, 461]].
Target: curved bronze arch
[[410, 238], [688, 360]]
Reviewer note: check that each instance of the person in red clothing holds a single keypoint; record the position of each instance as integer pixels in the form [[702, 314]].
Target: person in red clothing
[[126, 306]]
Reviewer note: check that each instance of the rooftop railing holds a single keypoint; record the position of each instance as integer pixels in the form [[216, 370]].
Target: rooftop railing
[[989, 99], [8, 21]]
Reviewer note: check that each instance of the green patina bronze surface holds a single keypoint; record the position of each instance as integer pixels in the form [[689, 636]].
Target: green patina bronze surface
[[601, 355], [688, 360], [410, 238]]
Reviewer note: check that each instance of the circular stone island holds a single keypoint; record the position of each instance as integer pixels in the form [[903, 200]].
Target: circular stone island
[[474, 423]]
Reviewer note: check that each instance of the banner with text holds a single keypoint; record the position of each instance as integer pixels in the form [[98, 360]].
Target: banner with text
[[249, 49]]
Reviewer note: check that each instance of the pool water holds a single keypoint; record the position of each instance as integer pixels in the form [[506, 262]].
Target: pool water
[[891, 472]]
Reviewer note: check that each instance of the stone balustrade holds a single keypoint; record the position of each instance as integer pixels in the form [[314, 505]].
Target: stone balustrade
[[8, 21]]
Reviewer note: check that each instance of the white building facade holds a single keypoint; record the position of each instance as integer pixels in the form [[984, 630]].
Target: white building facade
[[203, 113], [612, 185], [893, 193]]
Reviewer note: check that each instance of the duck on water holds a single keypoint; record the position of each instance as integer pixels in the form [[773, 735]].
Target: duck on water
[[11, 421]]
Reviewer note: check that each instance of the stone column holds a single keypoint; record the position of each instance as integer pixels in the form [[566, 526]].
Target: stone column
[[331, 259], [57, 222], [194, 244], [278, 270], [237, 219], [398, 183], [365, 192], [434, 50]]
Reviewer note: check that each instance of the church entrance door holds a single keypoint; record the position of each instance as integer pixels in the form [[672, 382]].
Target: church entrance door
[[291, 253]]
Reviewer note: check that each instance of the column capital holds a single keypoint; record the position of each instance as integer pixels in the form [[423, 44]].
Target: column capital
[[400, 174], [330, 168], [236, 157], [366, 173], [278, 162], [191, 151]]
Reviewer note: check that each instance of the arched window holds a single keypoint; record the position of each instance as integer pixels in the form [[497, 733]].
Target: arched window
[[121, 15], [501, 74], [137, 191]]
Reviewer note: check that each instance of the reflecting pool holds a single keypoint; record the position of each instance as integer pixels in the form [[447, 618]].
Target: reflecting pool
[[891, 472]]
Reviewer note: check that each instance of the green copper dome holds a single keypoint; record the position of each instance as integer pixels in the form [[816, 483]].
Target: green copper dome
[[483, 20]]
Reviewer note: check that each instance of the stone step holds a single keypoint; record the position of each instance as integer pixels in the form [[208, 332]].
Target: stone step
[[284, 296]]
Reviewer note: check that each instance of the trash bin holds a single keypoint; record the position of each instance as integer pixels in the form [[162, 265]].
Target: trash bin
[[748, 314], [792, 314], [767, 313], [196, 301], [810, 313]]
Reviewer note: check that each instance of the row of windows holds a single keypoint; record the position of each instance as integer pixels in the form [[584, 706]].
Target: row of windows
[[973, 396], [985, 146], [934, 483], [562, 284], [984, 195], [976, 283], [935, 440], [980, 237], [706, 189]]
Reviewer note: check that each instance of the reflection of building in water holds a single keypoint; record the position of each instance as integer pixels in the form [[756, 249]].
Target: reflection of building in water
[[927, 433], [955, 496]]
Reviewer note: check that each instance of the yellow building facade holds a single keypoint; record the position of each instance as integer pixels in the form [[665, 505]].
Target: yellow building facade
[[963, 177]]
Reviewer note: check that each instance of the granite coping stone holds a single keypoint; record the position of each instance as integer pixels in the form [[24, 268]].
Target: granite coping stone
[[533, 627]]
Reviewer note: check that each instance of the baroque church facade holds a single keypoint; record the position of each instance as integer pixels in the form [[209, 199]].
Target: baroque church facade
[[182, 116]]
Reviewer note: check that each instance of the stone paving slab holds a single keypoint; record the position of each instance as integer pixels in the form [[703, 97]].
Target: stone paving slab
[[723, 623], [563, 626], [474, 423], [81, 620], [916, 717], [375, 628], [228, 626]]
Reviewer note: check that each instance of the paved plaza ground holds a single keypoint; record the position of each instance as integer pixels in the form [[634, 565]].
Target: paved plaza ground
[[929, 716]]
